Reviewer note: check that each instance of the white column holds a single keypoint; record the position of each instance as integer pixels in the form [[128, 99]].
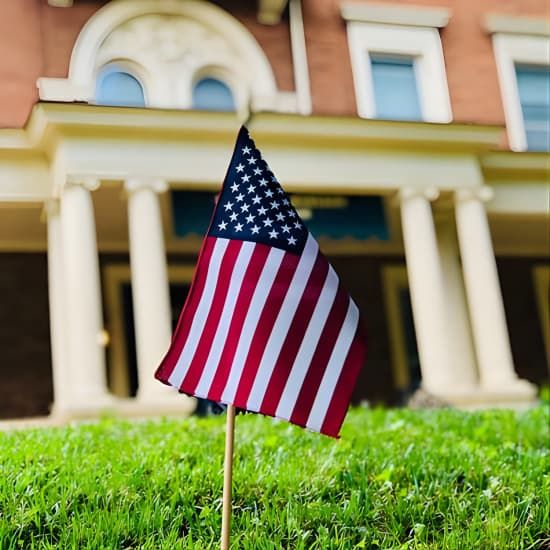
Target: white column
[[462, 355], [491, 340], [61, 381], [84, 329], [426, 288], [150, 288]]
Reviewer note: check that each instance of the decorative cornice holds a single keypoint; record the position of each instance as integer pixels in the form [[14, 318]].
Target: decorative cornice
[[396, 14], [358, 132], [507, 24], [352, 132]]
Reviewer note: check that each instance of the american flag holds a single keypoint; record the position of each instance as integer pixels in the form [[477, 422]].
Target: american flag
[[266, 325]]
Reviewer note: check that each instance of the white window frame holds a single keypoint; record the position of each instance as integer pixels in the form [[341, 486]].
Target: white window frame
[[423, 44], [510, 50], [125, 66], [223, 75]]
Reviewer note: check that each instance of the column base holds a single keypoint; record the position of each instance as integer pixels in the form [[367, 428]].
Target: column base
[[516, 394], [176, 405], [161, 399], [83, 407], [157, 393]]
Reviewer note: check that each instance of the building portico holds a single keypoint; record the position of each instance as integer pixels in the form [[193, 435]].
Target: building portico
[[105, 176]]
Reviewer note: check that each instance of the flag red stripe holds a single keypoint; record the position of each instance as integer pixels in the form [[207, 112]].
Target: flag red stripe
[[294, 337], [193, 375], [186, 317], [253, 272], [270, 311], [320, 358], [342, 392]]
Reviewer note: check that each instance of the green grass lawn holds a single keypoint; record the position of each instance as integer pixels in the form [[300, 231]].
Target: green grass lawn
[[397, 479]]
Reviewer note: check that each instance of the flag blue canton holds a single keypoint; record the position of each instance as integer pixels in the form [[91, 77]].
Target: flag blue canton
[[253, 206]]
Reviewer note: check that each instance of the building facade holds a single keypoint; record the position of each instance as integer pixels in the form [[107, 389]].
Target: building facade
[[412, 135]]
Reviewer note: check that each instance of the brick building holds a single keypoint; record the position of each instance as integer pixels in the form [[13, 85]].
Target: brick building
[[413, 135]]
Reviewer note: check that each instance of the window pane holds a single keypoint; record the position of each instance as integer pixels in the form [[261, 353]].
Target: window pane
[[119, 88], [534, 96], [395, 90], [210, 94]]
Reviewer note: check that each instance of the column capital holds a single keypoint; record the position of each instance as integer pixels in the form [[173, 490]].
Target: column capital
[[482, 194], [428, 193], [90, 183], [135, 184]]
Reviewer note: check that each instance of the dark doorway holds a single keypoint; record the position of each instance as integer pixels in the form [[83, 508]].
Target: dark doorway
[[178, 294]]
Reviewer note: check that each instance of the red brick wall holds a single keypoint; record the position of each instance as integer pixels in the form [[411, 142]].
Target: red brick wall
[[329, 62], [468, 51], [21, 59], [273, 39], [37, 40], [60, 29]]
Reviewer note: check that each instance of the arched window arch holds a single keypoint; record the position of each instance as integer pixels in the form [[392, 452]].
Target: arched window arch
[[117, 86], [191, 35], [212, 94]]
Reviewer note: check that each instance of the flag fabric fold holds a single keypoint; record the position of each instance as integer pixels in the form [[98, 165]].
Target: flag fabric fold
[[266, 325]]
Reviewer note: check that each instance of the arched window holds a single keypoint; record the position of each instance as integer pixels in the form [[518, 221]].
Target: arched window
[[211, 94], [117, 87]]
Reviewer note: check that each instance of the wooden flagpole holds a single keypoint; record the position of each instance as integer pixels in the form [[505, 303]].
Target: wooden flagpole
[[230, 437], [228, 476]]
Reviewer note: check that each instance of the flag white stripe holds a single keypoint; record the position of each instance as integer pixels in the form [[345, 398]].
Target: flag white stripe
[[282, 323], [261, 292], [233, 292], [201, 314], [334, 368], [308, 346]]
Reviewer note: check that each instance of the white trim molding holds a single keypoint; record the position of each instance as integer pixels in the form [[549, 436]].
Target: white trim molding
[[511, 49], [422, 44], [496, 22], [299, 57], [396, 14], [168, 54]]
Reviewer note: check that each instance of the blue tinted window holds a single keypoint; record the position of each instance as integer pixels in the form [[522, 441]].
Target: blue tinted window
[[119, 88], [395, 90], [534, 95], [210, 94]]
